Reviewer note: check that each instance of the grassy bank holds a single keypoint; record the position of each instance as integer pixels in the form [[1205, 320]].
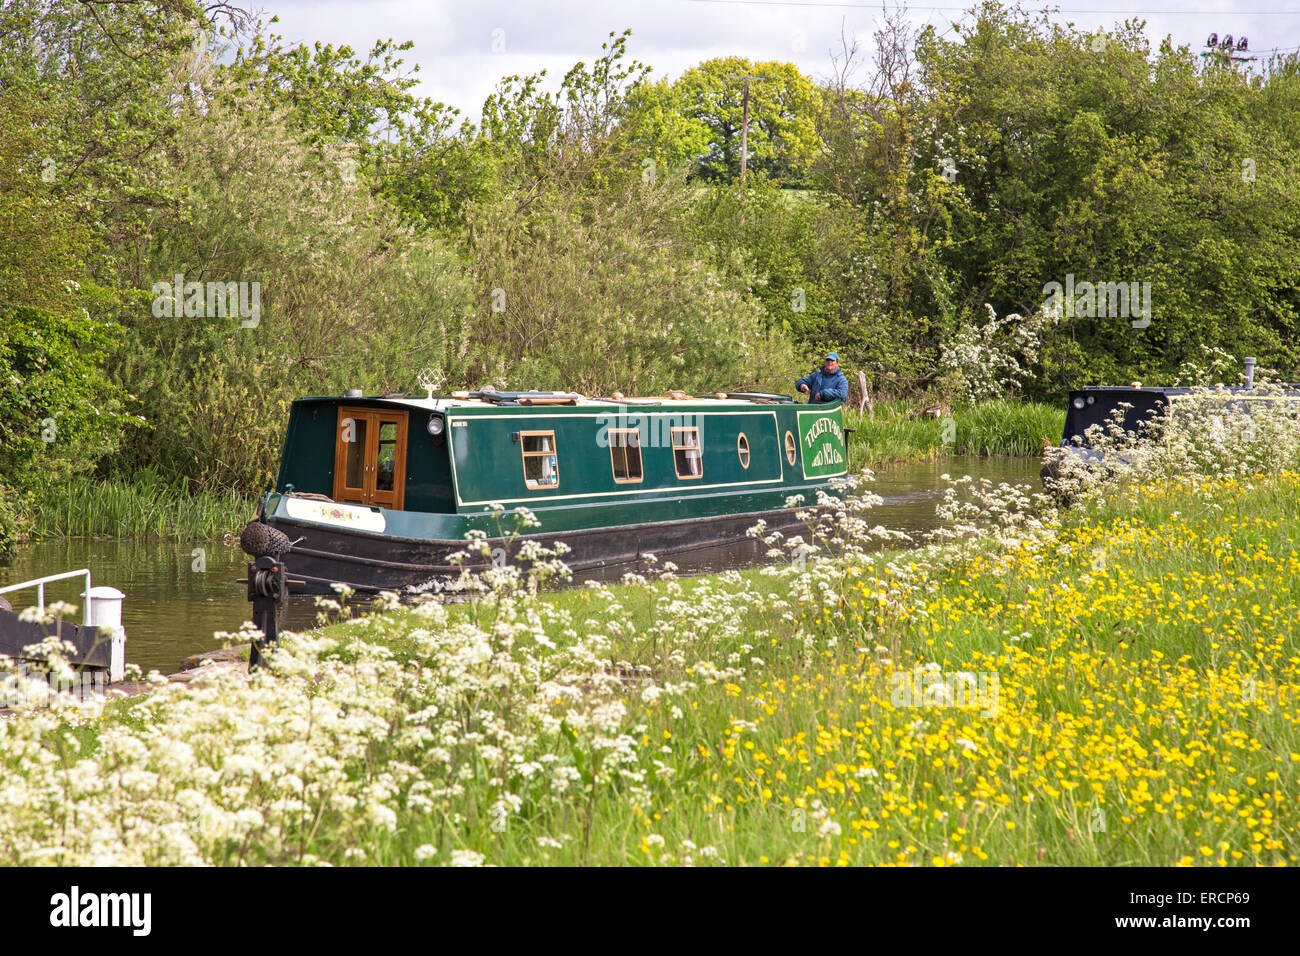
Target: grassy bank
[[1135, 679], [1144, 707], [990, 428], [142, 507]]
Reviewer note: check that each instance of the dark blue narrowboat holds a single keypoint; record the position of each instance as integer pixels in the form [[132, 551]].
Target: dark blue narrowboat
[[1136, 406]]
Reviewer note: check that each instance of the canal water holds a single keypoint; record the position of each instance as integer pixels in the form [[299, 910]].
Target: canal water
[[179, 594]]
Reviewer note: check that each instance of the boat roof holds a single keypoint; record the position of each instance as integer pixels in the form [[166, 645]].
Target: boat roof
[[1287, 387], [546, 400]]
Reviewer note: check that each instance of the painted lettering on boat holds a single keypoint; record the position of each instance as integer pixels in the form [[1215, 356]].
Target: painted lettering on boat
[[823, 444], [826, 455], [819, 428]]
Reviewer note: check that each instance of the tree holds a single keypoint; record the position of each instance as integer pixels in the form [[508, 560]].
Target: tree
[[661, 133], [1081, 157], [406, 146], [109, 77], [589, 274], [58, 415], [617, 298], [346, 294], [573, 137], [783, 106], [893, 289]]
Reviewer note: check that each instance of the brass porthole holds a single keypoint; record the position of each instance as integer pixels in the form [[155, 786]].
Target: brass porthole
[[791, 448], [742, 449]]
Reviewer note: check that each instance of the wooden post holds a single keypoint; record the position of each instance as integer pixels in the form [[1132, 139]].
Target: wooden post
[[866, 401]]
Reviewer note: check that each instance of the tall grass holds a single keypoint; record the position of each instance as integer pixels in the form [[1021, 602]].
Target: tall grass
[[143, 507], [998, 427]]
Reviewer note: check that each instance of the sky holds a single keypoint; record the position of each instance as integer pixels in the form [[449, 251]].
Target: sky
[[464, 47]]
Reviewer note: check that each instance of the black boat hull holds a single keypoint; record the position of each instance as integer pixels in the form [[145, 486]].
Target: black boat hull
[[323, 556]]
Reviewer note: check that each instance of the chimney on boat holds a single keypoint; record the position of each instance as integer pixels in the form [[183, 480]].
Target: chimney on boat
[[1250, 372]]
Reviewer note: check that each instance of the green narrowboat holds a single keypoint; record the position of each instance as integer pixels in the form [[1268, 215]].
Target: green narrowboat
[[378, 492]]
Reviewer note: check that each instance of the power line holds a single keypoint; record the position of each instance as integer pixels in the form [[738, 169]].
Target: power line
[[967, 9]]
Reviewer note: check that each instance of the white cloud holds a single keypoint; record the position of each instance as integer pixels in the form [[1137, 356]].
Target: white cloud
[[454, 40]]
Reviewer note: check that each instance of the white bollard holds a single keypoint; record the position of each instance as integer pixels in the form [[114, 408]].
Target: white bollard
[[106, 613]]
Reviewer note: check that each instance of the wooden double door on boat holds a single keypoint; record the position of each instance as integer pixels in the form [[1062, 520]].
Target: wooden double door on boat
[[370, 457]]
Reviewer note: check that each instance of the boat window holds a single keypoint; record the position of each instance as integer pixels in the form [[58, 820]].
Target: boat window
[[370, 457], [387, 456], [625, 454], [353, 435], [686, 452], [742, 449], [791, 448], [541, 470]]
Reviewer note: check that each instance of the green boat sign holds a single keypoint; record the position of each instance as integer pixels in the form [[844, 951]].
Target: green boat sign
[[822, 443]]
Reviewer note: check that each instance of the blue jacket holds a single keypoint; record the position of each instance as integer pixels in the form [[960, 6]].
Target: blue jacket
[[830, 387]]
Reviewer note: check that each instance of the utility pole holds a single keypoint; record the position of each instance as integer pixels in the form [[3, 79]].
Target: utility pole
[[744, 139]]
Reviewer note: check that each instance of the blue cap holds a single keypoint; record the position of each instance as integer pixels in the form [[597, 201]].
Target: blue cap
[[832, 357]]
